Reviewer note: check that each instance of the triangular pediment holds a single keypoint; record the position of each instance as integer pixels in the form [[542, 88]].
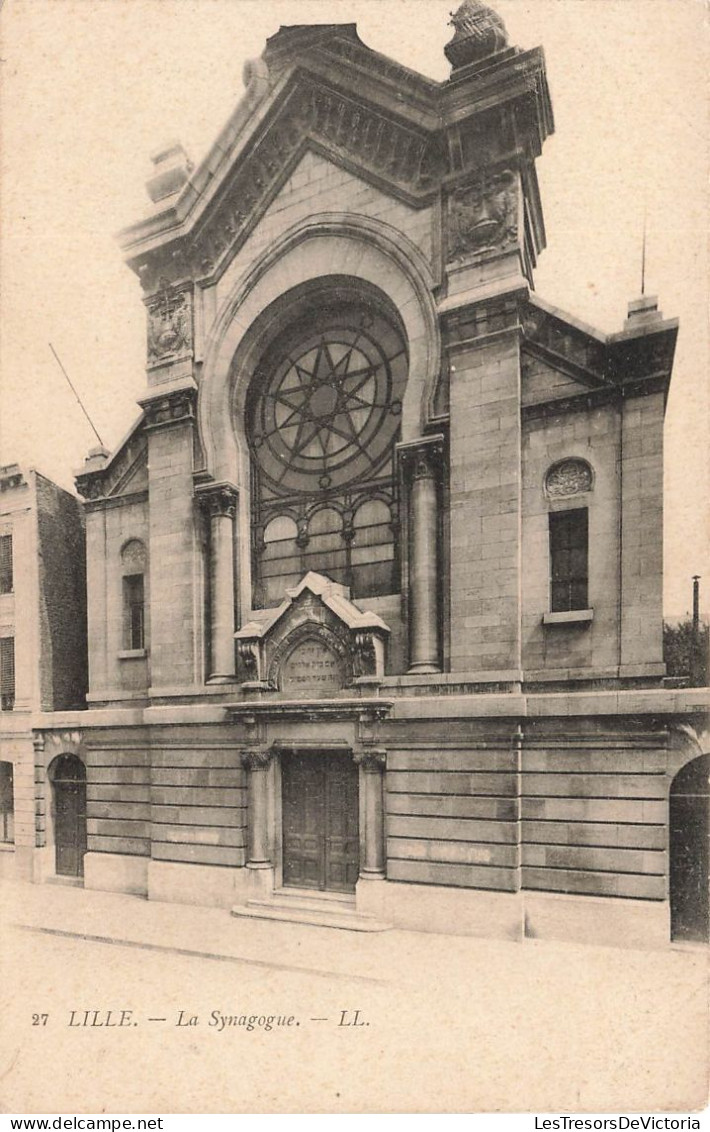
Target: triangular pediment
[[561, 357], [318, 627], [318, 87], [124, 473], [313, 592], [306, 113], [541, 382]]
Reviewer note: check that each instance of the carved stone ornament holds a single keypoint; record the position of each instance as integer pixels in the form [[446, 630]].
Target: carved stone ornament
[[256, 760], [483, 215], [569, 477], [314, 644], [219, 501], [386, 148], [248, 653], [422, 459], [169, 326], [372, 761], [478, 33], [174, 408], [365, 656]]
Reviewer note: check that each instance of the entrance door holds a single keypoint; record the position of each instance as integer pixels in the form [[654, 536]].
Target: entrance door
[[320, 821], [69, 781], [689, 834]]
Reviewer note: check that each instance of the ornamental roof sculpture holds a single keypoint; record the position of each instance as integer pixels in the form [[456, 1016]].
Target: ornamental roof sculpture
[[479, 32]]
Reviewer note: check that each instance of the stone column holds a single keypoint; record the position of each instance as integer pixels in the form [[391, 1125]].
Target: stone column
[[422, 458], [372, 763], [259, 848], [220, 503]]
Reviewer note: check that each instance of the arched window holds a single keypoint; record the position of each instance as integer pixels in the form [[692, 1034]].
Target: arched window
[[134, 567], [689, 844], [280, 558], [7, 803], [67, 774], [373, 558], [323, 418]]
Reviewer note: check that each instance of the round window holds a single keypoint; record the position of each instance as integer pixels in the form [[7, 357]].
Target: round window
[[328, 399]]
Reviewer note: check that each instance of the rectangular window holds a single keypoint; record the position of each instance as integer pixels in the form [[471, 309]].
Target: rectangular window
[[7, 673], [134, 611], [6, 581], [7, 804], [569, 553]]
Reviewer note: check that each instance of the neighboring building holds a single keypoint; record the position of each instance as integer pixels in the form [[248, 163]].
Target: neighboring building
[[42, 649], [430, 505]]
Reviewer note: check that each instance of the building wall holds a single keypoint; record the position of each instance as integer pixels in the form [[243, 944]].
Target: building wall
[[452, 805], [175, 794], [484, 493], [594, 798], [46, 615], [113, 676], [569, 650], [62, 597], [495, 801], [317, 186]]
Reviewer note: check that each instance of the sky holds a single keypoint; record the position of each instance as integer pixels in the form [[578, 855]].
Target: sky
[[90, 88]]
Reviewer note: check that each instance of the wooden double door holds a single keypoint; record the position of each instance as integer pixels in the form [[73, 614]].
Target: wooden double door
[[319, 798]]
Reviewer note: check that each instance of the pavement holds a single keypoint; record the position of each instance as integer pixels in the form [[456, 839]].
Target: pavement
[[384, 1022]]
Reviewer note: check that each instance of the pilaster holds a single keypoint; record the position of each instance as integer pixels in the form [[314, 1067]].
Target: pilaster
[[260, 861], [219, 502], [421, 462], [485, 488], [174, 548]]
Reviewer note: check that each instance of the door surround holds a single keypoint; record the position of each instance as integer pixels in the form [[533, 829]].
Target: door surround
[[346, 728]]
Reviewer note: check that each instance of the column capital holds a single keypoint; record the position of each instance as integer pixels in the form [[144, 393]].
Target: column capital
[[423, 457], [171, 405], [372, 760], [256, 759], [217, 499]]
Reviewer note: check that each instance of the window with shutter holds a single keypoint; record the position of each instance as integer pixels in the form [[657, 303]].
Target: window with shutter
[[7, 673], [6, 579]]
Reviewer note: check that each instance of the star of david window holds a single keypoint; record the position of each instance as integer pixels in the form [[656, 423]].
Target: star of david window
[[323, 417], [331, 405]]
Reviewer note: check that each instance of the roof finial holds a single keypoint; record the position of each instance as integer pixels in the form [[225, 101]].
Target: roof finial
[[478, 33]]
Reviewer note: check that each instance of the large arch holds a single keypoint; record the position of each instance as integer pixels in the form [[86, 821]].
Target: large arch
[[689, 851], [361, 253], [331, 243]]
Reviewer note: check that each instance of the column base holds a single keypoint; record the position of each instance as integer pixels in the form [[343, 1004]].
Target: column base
[[260, 880], [222, 678], [371, 895], [422, 666]]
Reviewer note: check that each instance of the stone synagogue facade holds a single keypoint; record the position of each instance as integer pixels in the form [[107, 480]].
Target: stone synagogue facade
[[374, 582]]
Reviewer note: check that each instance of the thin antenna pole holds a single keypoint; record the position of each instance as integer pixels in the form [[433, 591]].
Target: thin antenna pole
[[643, 255], [81, 405]]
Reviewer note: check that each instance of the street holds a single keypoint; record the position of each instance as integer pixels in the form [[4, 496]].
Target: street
[[164, 1009]]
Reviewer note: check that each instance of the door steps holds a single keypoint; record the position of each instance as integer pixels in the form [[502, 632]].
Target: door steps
[[323, 910]]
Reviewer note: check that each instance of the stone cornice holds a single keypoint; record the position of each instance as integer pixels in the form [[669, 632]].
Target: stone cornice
[[322, 89], [610, 367]]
